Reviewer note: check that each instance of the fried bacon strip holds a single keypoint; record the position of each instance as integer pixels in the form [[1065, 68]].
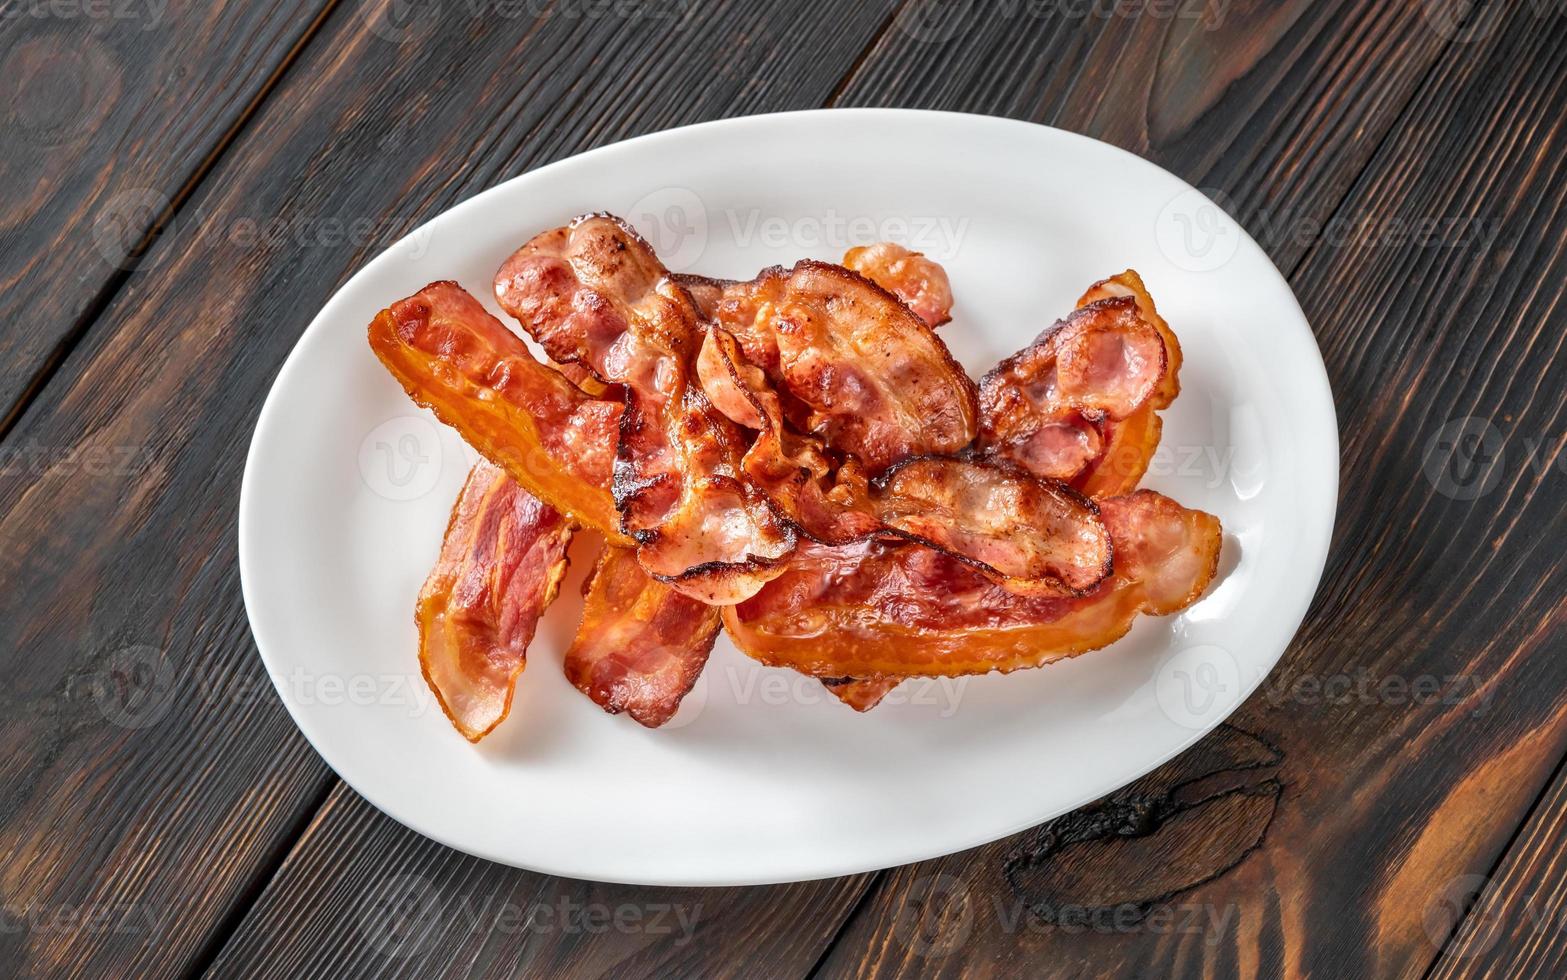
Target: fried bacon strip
[[1033, 535], [500, 565], [593, 293], [641, 644], [873, 610], [861, 694], [920, 283], [1046, 408], [453, 357], [853, 364], [1129, 443]]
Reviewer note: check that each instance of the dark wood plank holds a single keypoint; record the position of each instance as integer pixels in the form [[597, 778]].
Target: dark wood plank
[[363, 896], [1421, 709], [112, 110], [120, 525], [1510, 923], [1273, 107]]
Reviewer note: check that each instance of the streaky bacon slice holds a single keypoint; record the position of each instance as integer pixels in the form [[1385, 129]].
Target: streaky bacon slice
[[454, 358], [641, 644], [919, 282], [500, 565], [1033, 535], [1046, 408], [593, 293], [851, 362], [861, 693], [1130, 443], [874, 610]]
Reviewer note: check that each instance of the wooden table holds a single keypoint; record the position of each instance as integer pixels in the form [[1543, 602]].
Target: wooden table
[[185, 183]]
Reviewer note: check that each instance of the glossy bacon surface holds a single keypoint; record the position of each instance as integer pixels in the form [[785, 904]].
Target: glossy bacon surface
[[1047, 407], [641, 644], [500, 566], [870, 610], [921, 283], [854, 364], [453, 357], [593, 293], [861, 694], [1034, 535]]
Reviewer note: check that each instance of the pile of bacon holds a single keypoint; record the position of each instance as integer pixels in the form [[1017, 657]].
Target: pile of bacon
[[797, 459]]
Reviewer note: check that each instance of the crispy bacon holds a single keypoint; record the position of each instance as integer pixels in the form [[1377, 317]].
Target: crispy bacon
[[853, 364], [1047, 407], [641, 644], [453, 357], [500, 565], [1033, 535], [874, 610], [593, 293], [1129, 443], [921, 283], [860, 693]]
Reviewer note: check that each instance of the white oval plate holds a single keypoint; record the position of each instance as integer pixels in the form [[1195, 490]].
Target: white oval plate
[[762, 777]]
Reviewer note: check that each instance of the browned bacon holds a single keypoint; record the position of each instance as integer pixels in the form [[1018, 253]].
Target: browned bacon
[[455, 358], [921, 283], [593, 293], [853, 364], [500, 567], [874, 610], [641, 644], [1046, 408]]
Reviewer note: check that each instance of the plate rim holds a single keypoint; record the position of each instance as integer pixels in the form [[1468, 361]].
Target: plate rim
[[1314, 374]]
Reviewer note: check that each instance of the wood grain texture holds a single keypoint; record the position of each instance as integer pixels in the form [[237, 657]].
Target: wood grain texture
[[1420, 711], [1512, 922], [111, 112], [364, 896], [1271, 107], [149, 776]]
